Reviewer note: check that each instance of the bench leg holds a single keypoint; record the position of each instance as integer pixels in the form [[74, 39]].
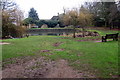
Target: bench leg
[[115, 39], [104, 40]]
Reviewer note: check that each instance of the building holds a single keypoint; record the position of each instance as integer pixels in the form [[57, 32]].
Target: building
[[55, 18]]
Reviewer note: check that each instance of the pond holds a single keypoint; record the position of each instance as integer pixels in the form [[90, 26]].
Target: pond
[[54, 32]]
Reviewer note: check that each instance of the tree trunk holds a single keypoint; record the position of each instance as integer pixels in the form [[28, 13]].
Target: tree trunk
[[74, 32], [83, 34]]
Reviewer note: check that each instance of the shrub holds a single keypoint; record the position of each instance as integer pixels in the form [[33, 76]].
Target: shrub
[[44, 26], [13, 30], [19, 31]]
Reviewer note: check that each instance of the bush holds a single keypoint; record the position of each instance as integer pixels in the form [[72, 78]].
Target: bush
[[19, 31], [13, 30], [44, 26]]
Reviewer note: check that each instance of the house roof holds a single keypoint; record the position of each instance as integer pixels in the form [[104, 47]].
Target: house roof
[[55, 18]]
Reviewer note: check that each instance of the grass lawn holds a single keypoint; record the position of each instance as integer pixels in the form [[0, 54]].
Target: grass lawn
[[104, 32], [96, 57]]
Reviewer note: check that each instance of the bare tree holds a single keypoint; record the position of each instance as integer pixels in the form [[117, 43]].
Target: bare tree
[[18, 15], [77, 17], [11, 18], [71, 18]]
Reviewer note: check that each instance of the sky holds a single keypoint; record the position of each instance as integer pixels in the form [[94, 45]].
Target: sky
[[47, 8]]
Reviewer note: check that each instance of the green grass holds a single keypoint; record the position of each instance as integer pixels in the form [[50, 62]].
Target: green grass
[[104, 32], [25, 46], [98, 58]]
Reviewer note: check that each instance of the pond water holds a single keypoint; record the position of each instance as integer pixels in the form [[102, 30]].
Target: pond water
[[54, 32], [51, 34]]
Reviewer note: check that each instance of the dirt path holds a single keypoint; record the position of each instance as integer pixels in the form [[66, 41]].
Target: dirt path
[[41, 68], [27, 68], [62, 70]]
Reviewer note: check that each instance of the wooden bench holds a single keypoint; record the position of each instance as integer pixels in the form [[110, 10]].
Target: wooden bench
[[110, 36]]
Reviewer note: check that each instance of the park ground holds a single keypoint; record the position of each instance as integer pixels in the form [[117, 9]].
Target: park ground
[[60, 57]]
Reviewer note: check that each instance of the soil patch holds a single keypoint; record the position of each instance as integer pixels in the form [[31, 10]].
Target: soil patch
[[28, 67], [62, 70], [45, 51], [57, 44], [39, 67], [2, 43], [59, 49], [89, 39]]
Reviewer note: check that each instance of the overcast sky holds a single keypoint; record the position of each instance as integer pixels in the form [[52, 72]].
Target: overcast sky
[[47, 8]]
